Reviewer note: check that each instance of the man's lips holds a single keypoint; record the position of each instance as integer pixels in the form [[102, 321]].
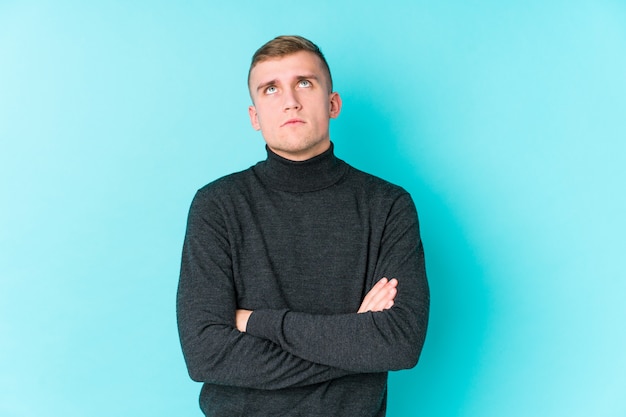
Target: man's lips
[[291, 122]]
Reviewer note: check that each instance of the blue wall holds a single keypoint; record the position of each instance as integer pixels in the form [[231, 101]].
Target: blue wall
[[505, 120]]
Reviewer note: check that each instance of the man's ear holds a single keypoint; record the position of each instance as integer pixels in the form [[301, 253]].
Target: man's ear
[[335, 105], [254, 118]]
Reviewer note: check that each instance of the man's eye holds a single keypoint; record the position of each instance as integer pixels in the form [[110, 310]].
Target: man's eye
[[270, 90], [304, 83]]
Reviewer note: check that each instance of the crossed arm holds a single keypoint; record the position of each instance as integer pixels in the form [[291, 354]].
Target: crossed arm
[[274, 349], [379, 298]]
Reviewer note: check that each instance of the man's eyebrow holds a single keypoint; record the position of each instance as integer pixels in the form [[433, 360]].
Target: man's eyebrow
[[265, 84], [308, 77]]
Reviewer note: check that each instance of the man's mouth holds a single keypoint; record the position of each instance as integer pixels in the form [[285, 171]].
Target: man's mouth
[[291, 122]]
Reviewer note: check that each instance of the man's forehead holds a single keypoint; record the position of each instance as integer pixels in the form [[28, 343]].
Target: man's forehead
[[297, 61]]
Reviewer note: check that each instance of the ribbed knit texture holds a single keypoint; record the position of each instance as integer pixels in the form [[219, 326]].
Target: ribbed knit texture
[[300, 244]]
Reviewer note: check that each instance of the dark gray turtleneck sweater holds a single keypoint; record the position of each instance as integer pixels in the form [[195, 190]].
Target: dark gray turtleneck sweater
[[300, 244]]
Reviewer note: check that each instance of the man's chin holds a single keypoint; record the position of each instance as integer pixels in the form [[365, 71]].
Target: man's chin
[[300, 151]]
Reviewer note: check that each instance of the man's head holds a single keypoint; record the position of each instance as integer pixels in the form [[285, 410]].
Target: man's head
[[286, 45], [292, 97]]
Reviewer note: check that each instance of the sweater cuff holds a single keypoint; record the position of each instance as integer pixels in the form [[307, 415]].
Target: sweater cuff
[[266, 324]]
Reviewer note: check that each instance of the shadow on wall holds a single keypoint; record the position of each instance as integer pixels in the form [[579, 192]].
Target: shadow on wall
[[442, 382]]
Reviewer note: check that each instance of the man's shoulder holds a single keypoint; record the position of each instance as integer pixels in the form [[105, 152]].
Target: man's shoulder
[[380, 195], [374, 184], [227, 183], [223, 190]]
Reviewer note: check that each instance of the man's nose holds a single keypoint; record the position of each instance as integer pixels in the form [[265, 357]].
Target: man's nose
[[291, 101]]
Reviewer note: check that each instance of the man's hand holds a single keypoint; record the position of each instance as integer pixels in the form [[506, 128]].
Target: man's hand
[[380, 297], [241, 317]]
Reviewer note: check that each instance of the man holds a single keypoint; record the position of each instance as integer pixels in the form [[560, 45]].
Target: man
[[302, 281]]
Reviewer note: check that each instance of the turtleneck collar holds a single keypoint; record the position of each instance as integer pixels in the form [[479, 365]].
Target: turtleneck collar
[[314, 174]]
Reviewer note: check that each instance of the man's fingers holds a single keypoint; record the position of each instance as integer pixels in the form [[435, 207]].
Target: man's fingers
[[380, 297]]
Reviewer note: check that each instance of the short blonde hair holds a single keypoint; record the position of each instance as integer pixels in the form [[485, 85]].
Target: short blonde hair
[[287, 45]]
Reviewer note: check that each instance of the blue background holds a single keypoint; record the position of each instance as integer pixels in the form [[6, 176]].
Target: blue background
[[505, 121]]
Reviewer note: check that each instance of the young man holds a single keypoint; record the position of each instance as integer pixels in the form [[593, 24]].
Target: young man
[[302, 281]]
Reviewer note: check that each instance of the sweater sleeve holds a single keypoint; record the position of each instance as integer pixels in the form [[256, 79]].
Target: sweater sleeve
[[372, 341], [214, 350]]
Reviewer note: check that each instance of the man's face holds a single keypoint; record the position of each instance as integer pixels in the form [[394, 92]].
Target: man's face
[[293, 105]]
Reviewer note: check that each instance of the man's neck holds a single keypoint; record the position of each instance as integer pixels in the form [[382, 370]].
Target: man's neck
[[303, 155]]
